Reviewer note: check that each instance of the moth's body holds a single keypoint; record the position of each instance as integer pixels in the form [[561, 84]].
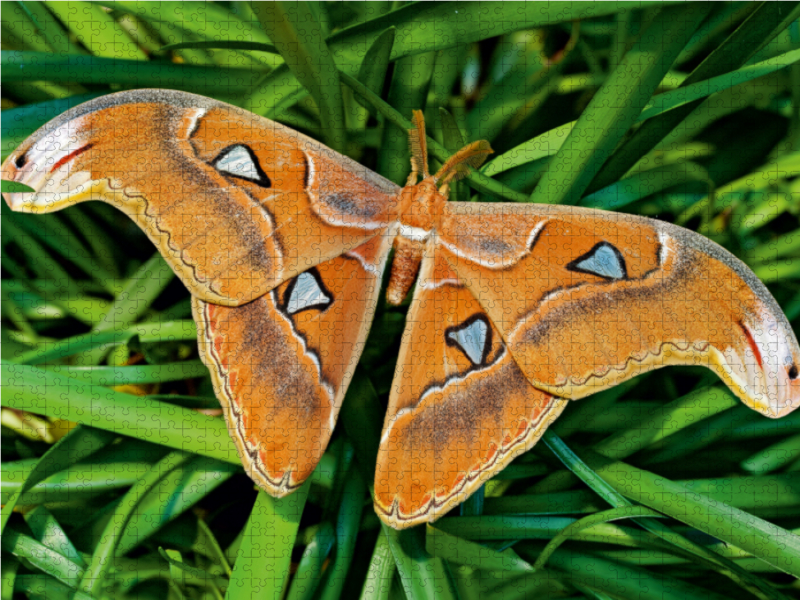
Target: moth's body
[[420, 209], [516, 310]]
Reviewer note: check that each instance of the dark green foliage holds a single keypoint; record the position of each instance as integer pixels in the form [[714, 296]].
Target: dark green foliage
[[664, 487]]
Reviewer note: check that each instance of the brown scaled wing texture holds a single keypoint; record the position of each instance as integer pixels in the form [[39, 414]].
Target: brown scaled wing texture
[[282, 363], [460, 409]]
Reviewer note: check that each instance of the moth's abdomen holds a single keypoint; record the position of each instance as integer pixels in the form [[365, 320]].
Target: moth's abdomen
[[405, 266]]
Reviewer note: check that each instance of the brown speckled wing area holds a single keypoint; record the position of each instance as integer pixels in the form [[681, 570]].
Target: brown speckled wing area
[[460, 409], [586, 299], [235, 203], [282, 363]]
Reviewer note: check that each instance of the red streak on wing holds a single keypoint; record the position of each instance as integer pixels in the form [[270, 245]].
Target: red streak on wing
[[70, 156], [753, 345]]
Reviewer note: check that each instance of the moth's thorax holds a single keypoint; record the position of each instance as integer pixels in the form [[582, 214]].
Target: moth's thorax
[[421, 207]]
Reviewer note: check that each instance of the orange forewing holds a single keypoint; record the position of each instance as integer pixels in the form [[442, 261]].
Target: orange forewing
[[282, 363], [460, 408], [235, 202]]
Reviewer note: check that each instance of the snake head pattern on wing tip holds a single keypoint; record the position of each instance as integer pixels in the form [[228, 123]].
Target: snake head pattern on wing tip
[[517, 309]]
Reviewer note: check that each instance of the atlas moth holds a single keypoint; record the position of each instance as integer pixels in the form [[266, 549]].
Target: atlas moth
[[517, 308]]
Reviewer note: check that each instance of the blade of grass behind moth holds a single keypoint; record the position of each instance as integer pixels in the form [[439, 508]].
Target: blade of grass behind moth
[[407, 91], [380, 574], [50, 351], [477, 179], [691, 93], [41, 557], [760, 538], [683, 546], [207, 20], [646, 183], [424, 577], [99, 239], [46, 393], [93, 579], [76, 445], [8, 577], [665, 420], [162, 504], [76, 481], [43, 587], [52, 232], [606, 516], [133, 300], [47, 530], [132, 375], [184, 574], [619, 580], [453, 140], [759, 28], [96, 29], [459, 551], [43, 66], [617, 105], [262, 564], [473, 22], [296, 32], [762, 178], [347, 524], [207, 545], [19, 21], [773, 457], [361, 416], [372, 72], [307, 577], [542, 146]]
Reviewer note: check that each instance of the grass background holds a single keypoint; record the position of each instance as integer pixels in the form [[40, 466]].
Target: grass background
[[118, 477]]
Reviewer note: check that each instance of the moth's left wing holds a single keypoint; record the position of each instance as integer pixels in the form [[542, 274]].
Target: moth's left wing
[[236, 204], [282, 363], [460, 409], [586, 299]]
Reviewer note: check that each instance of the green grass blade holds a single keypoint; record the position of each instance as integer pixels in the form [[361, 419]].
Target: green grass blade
[[297, 34], [646, 183], [93, 579], [616, 106], [307, 577], [408, 91], [79, 443], [96, 29], [347, 524], [46, 393], [378, 581], [463, 552], [262, 565], [764, 540], [423, 576], [761, 26], [147, 333], [613, 514], [35, 66], [684, 95], [134, 375]]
